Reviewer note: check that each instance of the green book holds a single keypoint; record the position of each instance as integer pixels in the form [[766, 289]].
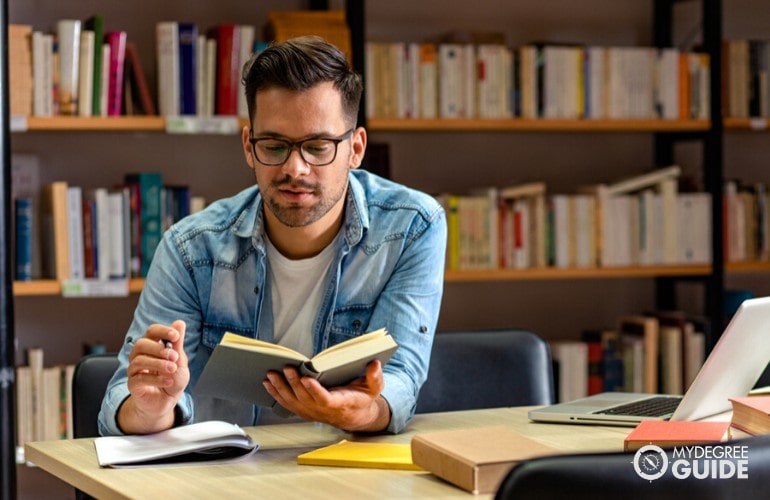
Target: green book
[[150, 185], [96, 24]]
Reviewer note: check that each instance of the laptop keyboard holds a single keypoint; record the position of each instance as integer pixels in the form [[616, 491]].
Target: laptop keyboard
[[656, 406]]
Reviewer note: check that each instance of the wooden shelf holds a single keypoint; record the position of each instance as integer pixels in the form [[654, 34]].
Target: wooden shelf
[[101, 124], [539, 125], [53, 287], [758, 124], [757, 266], [574, 273]]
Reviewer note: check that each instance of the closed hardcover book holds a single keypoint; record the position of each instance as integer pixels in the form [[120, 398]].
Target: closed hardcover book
[[68, 31], [475, 459], [167, 55], [188, 46], [237, 358], [149, 186], [53, 207], [751, 414], [117, 42], [228, 72], [140, 90], [23, 238], [95, 24], [669, 434], [361, 454]]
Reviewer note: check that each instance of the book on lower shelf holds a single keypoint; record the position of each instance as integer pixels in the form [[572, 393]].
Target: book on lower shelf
[[237, 358], [670, 434], [475, 459], [361, 454], [210, 442], [751, 414]]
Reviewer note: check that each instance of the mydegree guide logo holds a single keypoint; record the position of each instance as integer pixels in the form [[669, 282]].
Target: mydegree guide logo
[[651, 462]]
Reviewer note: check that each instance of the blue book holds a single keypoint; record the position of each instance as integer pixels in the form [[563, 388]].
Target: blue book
[[23, 238], [150, 185], [188, 41]]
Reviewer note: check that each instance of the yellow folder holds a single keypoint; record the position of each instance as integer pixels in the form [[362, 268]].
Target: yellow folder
[[360, 454]]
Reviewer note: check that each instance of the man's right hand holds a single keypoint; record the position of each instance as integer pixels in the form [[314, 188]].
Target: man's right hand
[[157, 377]]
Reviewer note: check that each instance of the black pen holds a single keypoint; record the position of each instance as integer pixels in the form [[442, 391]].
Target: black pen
[[166, 343]]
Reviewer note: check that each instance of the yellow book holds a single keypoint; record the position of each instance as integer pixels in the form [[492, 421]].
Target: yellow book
[[358, 454]]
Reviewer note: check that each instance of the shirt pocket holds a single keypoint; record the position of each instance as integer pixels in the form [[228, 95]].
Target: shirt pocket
[[349, 322], [213, 333]]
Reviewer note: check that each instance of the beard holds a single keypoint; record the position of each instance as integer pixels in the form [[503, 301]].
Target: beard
[[297, 215]]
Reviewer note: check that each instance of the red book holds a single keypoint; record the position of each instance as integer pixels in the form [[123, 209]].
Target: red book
[[138, 83], [89, 251], [593, 340], [117, 42], [228, 68], [668, 434]]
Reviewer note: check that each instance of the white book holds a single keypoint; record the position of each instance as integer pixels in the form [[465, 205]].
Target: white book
[[75, 232], [42, 73], [584, 230], [412, 80], [35, 362], [450, 88], [428, 80], [595, 82], [246, 49], [693, 228], [167, 47], [572, 357], [560, 206], [52, 403], [667, 83], [117, 258], [103, 234], [86, 73], [671, 359], [211, 76], [68, 32], [104, 91]]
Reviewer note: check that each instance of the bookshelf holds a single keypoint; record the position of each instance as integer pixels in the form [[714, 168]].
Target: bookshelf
[[623, 142]]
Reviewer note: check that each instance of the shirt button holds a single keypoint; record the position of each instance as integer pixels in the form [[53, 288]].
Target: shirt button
[[256, 290], [423, 328], [356, 324]]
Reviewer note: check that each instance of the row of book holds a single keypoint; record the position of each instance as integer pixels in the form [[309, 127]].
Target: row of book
[[659, 352], [66, 232], [43, 400], [746, 78], [642, 220], [83, 69], [465, 80], [746, 221]]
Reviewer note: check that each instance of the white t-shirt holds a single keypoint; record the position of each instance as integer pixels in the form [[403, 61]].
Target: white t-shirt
[[297, 289]]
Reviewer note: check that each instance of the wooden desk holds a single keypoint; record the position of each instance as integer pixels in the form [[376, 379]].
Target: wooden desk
[[273, 471]]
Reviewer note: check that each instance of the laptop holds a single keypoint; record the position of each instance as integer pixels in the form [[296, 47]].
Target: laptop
[[731, 370]]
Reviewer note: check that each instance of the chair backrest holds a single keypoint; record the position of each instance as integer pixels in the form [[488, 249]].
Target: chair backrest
[[89, 383], [487, 369], [599, 476]]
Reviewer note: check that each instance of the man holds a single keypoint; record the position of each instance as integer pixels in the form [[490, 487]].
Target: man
[[314, 254]]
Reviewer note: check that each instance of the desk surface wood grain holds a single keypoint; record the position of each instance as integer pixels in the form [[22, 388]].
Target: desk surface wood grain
[[273, 471]]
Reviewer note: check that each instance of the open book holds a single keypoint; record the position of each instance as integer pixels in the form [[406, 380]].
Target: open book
[[239, 364], [211, 441]]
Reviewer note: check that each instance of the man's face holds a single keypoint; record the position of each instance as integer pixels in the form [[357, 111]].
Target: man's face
[[296, 193]]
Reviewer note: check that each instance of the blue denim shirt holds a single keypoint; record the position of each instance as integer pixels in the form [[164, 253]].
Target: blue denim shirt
[[211, 271]]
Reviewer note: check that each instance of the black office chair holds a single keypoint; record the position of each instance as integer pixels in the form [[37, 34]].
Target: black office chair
[[487, 369], [598, 476], [89, 383]]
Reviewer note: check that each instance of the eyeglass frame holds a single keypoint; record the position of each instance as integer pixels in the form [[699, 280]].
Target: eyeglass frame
[[298, 144]]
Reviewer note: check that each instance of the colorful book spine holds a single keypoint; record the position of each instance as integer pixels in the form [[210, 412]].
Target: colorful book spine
[[150, 185], [68, 31], [117, 42], [23, 238], [96, 24], [228, 71], [188, 41], [138, 80], [167, 47]]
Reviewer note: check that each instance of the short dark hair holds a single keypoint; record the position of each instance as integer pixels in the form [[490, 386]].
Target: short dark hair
[[299, 64]]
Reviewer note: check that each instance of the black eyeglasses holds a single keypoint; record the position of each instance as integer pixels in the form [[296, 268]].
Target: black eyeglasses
[[316, 152]]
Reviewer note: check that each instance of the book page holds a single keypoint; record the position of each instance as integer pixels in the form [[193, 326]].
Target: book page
[[241, 342], [348, 343]]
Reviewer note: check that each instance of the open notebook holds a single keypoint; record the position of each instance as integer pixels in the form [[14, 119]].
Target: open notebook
[[731, 370]]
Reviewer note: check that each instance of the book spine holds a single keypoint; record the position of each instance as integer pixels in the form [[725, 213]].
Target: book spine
[[42, 67], [23, 238], [188, 42], [75, 231], [167, 46], [86, 74], [150, 185], [246, 46], [54, 225], [68, 31], [116, 257], [89, 257], [139, 81], [96, 25], [228, 57], [117, 42]]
